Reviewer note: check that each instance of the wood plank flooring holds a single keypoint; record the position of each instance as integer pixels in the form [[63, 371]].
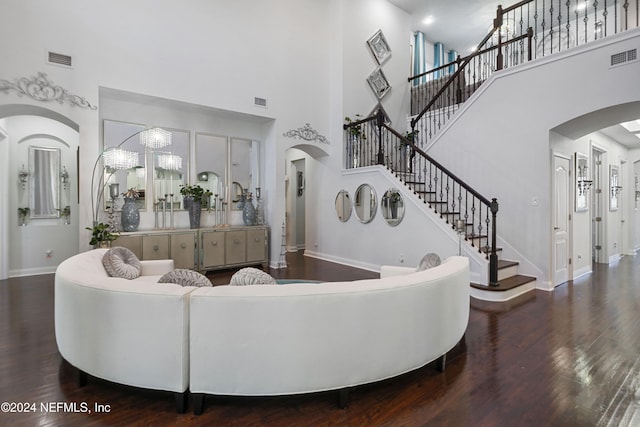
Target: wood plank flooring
[[565, 358]]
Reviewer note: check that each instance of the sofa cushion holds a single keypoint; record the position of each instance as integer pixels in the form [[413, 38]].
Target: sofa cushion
[[251, 276], [185, 277], [121, 262], [428, 261]]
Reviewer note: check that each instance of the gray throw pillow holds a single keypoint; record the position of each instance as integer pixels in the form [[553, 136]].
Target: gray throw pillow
[[428, 261], [121, 262], [185, 277], [251, 276]]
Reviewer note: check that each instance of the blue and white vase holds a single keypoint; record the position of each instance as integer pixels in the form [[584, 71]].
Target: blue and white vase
[[248, 212], [130, 216]]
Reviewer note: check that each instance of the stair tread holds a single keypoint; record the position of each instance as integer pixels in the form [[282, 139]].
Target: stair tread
[[503, 263], [506, 284]]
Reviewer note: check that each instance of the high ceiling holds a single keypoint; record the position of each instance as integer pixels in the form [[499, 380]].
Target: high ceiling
[[440, 21], [446, 26]]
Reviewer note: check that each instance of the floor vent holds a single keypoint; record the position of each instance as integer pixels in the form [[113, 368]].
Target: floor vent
[[261, 102], [59, 59], [622, 57]]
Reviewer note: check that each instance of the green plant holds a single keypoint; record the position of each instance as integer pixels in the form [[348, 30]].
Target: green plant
[[101, 233], [198, 193], [23, 211], [355, 131], [411, 136]]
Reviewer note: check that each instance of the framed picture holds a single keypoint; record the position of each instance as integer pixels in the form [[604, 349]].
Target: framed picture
[[379, 47], [583, 183], [378, 83], [377, 108], [614, 187]]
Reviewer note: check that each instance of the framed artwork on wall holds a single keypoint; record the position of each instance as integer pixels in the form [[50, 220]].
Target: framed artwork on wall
[[614, 187], [583, 182], [378, 83], [379, 47]]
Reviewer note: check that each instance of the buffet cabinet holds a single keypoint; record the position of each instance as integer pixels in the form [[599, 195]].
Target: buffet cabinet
[[233, 247], [179, 245], [202, 249]]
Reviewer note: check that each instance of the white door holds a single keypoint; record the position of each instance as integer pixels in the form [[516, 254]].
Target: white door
[[560, 219]]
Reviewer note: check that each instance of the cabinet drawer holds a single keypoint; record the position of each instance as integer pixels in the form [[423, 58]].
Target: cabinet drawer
[[256, 245], [212, 249], [155, 246], [133, 243], [236, 247], [183, 250]]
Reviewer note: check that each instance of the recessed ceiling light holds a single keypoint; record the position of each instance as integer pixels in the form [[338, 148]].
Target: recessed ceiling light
[[581, 6], [428, 20], [632, 126]]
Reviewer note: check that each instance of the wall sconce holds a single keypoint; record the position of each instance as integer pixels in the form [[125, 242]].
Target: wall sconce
[[615, 190], [23, 176], [64, 177]]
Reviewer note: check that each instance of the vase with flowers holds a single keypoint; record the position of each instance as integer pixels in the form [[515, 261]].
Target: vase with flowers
[[194, 196]]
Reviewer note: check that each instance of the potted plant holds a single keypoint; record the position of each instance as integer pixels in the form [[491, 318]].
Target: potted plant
[[101, 235], [194, 196], [22, 214], [65, 213], [355, 131]]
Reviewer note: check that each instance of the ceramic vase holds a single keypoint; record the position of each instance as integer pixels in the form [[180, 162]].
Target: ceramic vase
[[248, 213], [130, 216], [195, 209]]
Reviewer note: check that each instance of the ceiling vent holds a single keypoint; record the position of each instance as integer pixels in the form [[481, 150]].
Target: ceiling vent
[[260, 102], [622, 57], [59, 59]]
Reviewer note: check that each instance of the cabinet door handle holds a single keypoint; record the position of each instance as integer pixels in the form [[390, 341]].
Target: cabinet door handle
[[236, 241], [214, 243], [156, 247], [183, 245], [257, 239]]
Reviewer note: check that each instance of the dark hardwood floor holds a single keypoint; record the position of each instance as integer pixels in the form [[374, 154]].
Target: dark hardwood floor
[[565, 358]]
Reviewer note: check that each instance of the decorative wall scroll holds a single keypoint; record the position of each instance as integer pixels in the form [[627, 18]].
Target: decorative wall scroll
[[40, 88], [307, 133], [378, 83], [614, 187], [379, 47]]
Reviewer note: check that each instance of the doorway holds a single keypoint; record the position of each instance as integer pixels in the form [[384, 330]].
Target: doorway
[[561, 218]]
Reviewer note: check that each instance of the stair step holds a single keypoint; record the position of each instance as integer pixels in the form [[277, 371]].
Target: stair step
[[507, 268], [506, 284]]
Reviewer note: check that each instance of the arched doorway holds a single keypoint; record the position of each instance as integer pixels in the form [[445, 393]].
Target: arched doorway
[[29, 135]]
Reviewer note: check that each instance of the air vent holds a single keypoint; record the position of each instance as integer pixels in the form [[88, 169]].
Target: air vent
[[261, 102], [622, 57], [59, 59]]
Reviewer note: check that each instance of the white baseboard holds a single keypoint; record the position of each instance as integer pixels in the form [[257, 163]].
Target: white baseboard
[[582, 272], [343, 261], [32, 271]]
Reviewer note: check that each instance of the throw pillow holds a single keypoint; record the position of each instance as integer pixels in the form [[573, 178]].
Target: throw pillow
[[185, 277], [251, 276], [428, 261], [121, 262]]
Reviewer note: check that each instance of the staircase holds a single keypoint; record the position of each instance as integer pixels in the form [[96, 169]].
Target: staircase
[[520, 33]]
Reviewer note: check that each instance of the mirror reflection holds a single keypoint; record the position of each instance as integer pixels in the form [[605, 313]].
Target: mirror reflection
[[343, 205], [211, 165], [127, 134], [44, 163], [169, 168], [244, 169], [365, 203], [392, 207]]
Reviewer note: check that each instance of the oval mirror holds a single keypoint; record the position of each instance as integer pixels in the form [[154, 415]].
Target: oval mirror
[[343, 206], [392, 207], [365, 203]]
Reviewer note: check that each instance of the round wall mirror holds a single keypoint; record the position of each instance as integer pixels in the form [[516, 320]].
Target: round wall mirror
[[343, 206], [392, 207], [365, 203]]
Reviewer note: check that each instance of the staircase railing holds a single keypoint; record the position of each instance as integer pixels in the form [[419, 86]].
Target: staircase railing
[[371, 141], [527, 30]]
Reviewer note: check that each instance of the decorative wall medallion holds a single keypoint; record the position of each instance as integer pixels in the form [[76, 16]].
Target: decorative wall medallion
[[307, 133], [379, 47], [378, 83], [40, 88]]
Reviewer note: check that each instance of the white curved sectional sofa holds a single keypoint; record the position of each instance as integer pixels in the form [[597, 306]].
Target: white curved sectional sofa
[[133, 332], [257, 340]]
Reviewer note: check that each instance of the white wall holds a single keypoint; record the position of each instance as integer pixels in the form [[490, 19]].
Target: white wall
[[500, 139]]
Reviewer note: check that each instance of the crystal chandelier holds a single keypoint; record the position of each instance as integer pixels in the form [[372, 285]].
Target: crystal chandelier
[[119, 159], [155, 138], [169, 162]]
